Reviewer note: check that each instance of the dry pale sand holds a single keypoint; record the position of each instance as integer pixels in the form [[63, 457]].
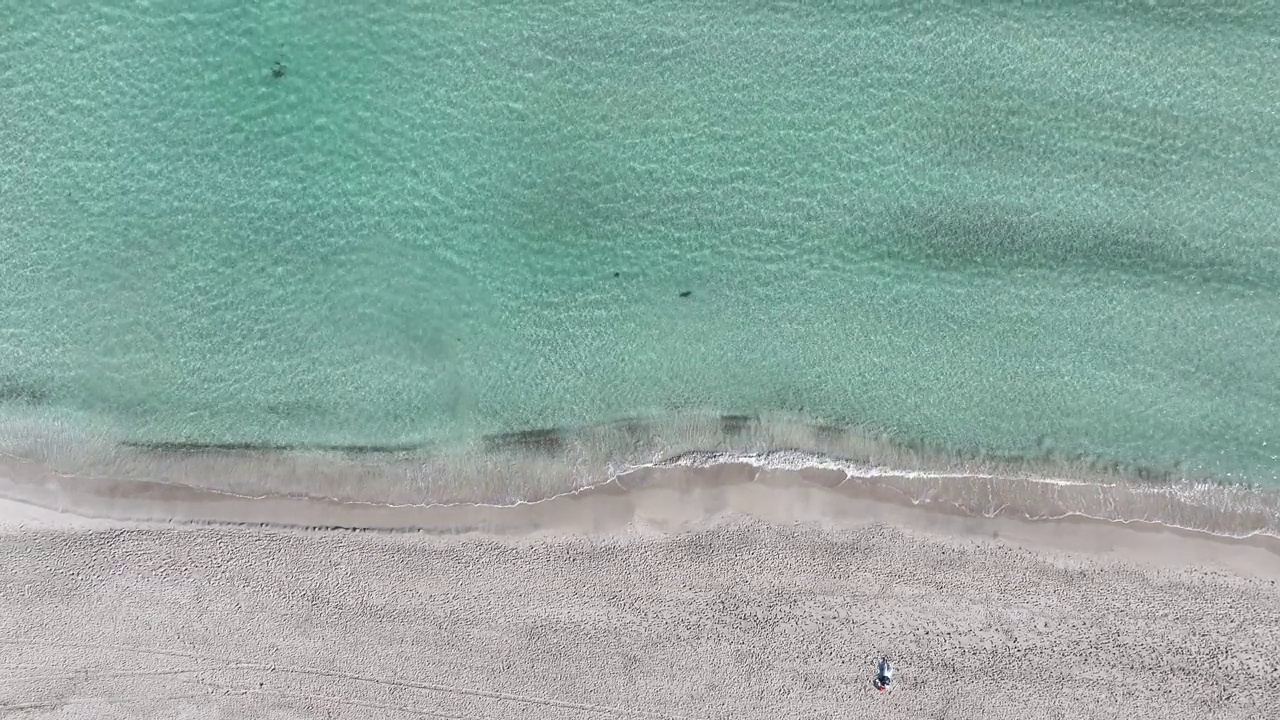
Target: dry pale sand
[[718, 596]]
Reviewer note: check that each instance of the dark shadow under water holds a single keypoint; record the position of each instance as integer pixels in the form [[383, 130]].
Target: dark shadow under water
[[557, 442]]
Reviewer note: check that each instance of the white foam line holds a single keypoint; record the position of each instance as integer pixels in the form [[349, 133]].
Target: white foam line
[[424, 506], [1117, 521], [796, 460], [346, 501]]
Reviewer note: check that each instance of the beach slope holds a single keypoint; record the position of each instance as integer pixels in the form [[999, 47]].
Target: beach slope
[[708, 615]]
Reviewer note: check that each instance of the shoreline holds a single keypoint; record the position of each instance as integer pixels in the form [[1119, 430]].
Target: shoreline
[[658, 499], [536, 462], [495, 479], [75, 463]]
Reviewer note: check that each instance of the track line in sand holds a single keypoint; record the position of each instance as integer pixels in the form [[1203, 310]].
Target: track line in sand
[[110, 700], [228, 691], [212, 689], [225, 689], [86, 675], [240, 664]]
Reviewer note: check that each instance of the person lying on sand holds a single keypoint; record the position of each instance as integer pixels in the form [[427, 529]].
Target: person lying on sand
[[884, 674]]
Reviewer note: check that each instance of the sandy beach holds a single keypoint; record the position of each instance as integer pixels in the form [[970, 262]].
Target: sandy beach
[[721, 593]]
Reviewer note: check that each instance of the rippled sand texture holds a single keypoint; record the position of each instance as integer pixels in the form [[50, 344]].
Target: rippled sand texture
[[731, 619]]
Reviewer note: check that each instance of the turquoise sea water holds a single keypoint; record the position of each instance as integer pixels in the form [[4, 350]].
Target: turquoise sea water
[[1000, 230]]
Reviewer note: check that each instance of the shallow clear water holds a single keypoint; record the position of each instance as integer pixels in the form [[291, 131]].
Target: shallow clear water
[[1003, 231]]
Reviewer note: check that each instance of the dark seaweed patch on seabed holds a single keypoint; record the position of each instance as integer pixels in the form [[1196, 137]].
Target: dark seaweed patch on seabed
[[734, 424], [15, 390], [544, 440], [827, 432], [634, 429], [956, 235], [1244, 15]]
